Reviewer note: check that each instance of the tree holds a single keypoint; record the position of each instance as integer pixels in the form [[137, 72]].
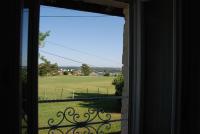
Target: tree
[[42, 37], [118, 82], [65, 73], [54, 69], [46, 68], [85, 69]]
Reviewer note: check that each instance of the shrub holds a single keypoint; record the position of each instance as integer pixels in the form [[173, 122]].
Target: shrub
[[107, 74], [65, 73], [118, 82], [47, 68]]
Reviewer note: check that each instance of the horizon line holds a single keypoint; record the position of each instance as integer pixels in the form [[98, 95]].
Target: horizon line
[[92, 66]]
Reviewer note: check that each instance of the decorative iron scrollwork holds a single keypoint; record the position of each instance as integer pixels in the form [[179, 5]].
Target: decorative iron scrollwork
[[77, 124]]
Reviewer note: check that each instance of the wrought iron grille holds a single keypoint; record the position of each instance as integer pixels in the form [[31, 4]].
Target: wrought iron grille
[[69, 121]]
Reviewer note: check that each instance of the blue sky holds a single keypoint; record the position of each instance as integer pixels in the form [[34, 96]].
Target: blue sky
[[25, 38], [97, 41]]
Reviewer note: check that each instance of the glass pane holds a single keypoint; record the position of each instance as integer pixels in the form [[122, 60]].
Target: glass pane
[[23, 68]]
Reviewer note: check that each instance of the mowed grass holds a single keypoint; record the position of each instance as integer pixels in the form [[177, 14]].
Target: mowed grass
[[55, 86], [62, 87]]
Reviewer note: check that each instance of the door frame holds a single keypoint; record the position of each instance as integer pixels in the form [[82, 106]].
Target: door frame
[[34, 12]]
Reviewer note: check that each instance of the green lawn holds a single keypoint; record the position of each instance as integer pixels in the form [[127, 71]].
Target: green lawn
[[61, 87], [51, 87]]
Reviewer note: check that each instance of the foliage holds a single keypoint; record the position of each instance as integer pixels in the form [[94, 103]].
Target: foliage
[[85, 69], [65, 73], [72, 72], [23, 78], [42, 37], [106, 74], [46, 68], [118, 82], [23, 75]]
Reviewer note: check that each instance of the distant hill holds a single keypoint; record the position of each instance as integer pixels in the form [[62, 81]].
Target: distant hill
[[95, 69]]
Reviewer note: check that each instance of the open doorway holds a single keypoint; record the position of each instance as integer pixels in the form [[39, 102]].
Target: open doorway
[[80, 72]]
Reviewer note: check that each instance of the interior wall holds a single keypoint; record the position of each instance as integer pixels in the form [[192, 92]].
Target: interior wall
[[190, 84], [9, 69], [157, 40]]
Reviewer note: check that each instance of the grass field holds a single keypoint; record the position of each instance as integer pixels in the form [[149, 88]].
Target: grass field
[[62, 87]]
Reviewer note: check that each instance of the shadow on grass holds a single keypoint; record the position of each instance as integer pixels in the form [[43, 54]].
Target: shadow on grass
[[109, 105]]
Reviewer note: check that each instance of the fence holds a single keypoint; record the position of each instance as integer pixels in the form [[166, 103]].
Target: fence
[[63, 93]]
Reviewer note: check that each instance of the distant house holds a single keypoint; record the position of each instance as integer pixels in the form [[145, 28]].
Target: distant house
[[100, 73], [93, 74], [77, 72], [60, 71]]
